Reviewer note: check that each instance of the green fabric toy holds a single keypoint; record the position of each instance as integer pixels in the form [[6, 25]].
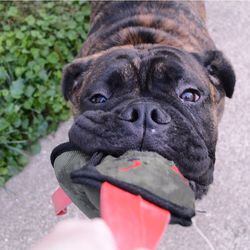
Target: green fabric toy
[[147, 174]]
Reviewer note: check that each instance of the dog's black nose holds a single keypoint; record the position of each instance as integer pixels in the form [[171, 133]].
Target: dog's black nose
[[145, 113]]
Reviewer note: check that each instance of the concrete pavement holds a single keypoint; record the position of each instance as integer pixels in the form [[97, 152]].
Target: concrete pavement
[[26, 212]]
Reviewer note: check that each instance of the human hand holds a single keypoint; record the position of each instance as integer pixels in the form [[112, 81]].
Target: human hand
[[78, 234]]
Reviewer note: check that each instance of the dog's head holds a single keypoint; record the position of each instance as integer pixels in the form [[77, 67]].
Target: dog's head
[[151, 98]]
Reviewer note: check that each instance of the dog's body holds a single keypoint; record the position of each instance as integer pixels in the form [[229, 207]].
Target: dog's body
[[179, 24], [149, 78]]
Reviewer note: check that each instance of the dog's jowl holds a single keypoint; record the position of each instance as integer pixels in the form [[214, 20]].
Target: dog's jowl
[[150, 78]]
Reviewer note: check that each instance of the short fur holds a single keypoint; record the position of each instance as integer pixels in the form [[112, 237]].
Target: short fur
[[142, 56]]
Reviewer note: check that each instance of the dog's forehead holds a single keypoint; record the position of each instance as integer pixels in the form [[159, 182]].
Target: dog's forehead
[[146, 56], [149, 58], [144, 63], [143, 52]]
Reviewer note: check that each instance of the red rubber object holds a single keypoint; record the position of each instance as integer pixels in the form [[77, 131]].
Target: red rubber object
[[134, 222], [60, 201]]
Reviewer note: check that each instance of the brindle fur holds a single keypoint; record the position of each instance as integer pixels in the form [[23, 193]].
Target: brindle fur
[[178, 24]]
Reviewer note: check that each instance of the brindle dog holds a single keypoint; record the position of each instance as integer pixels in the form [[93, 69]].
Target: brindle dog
[[149, 77]]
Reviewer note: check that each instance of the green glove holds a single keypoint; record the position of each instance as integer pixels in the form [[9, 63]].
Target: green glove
[[143, 173]]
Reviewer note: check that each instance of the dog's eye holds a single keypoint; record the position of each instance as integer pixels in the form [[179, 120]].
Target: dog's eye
[[190, 95], [98, 98]]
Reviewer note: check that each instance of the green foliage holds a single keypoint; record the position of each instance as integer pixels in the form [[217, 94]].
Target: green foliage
[[37, 39]]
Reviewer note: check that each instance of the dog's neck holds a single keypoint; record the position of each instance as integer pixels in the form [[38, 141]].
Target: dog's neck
[[172, 23]]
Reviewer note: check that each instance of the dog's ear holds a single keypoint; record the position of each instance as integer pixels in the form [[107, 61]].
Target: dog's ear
[[73, 75], [219, 70]]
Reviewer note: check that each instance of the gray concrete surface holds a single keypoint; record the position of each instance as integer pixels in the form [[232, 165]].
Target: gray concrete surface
[[26, 213]]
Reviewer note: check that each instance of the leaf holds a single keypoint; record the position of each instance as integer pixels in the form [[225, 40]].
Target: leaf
[[3, 124], [6, 28], [3, 73], [64, 116], [2, 181], [34, 52], [72, 25], [43, 75], [71, 35], [86, 11], [19, 35], [22, 60], [60, 34], [25, 123], [50, 5], [5, 92], [3, 171], [17, 87], [57, 107], [23, 160], [36, 41], [86, 26], [30, 20], [29, 91], [17, 122], [10, 109], [51, 92], [12, 11], [84, 35], [19, 71], [53, 58], [42, 128], [35, 148], [35, 34], [29, 74], [12, 170]]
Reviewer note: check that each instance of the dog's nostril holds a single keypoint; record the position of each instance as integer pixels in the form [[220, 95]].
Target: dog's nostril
[[134, 115], [130, 115], [159, 117], [154, 115]]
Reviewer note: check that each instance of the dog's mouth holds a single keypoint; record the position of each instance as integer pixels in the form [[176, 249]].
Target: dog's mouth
[[189, 153], [198, 188]]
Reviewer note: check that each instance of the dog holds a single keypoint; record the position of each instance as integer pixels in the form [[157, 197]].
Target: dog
[[149, 77]]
